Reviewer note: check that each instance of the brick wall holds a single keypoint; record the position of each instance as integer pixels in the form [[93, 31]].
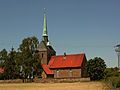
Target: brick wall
[[43, 57], [83, 69], [67, 73]]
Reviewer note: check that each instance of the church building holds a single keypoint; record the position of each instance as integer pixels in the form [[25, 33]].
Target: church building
[[59, 66]]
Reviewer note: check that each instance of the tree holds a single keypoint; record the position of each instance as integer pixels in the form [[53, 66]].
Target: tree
[[96, 68], [28, 58], [113, 76], [110, 72], [3, 57], [10, 65], [22, 62]]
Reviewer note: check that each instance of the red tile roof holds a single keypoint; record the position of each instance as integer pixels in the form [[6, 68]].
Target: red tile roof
[[46, 69], [1, 70], [61, 61]]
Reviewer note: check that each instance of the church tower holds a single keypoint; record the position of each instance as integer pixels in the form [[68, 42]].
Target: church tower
[[44, 49]]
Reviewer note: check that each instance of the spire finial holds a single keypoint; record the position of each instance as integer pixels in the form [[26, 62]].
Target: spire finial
[[44, 10]]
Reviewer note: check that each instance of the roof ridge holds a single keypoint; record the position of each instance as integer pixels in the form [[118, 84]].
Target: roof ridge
[[69, 54]]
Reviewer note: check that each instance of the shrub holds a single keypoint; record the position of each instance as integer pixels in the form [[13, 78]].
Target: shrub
[[96, 68], [114, 81]]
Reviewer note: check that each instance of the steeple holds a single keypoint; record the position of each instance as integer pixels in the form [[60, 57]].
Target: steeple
[[45, 50], [45, 34], [45, 26]]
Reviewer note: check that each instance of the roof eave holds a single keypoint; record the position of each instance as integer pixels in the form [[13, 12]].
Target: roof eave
[[65, 67]]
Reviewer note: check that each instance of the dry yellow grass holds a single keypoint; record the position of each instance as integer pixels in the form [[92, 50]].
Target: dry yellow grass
[[54, 86]]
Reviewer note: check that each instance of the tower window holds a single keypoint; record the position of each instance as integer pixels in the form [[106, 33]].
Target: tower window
[[42, 55]]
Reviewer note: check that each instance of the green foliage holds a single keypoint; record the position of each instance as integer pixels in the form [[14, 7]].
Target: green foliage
[[28, 57], [113, 76], [29, 43], [96, 68], [10, 65], [110, 72], [3, 57], [25, 57], [114, 81]]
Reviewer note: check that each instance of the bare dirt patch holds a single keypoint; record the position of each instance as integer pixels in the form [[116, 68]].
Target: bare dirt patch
[[55, 86]]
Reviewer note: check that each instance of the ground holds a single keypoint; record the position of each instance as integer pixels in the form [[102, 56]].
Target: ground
[[55, 86]]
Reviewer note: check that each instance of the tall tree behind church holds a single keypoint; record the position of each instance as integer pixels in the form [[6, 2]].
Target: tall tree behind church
[[29, 58]]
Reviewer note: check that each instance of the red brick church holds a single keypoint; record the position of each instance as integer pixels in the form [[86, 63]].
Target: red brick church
[[59, 66]]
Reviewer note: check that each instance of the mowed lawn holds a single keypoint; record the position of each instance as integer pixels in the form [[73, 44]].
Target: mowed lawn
[[54, 86]]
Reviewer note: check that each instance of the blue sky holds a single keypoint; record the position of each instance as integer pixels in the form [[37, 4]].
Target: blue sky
[[74, 26]]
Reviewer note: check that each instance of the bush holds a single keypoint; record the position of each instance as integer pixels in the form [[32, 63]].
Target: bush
[[114, 81], [110, 72], [96, 68], [1, 76]]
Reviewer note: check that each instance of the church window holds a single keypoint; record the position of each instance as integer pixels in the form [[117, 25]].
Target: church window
[[42, 55], [70, 72], [57, 73]]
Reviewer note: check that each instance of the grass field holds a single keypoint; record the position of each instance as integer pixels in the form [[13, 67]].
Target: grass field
[[54, 86]]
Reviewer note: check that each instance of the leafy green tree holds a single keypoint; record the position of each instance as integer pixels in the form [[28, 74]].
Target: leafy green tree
[[113, 76], [96, 68], [110, 72], [28, 58], [24, 61], [3, 57], [10, 65]]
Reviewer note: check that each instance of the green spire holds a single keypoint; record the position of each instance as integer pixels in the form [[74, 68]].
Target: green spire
[[45, 34], [45, 26]]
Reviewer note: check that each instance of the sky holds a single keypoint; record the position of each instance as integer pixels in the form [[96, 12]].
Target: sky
[[74, 26]]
